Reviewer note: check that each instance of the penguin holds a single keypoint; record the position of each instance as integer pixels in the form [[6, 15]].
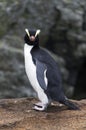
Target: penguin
[[43, 73]]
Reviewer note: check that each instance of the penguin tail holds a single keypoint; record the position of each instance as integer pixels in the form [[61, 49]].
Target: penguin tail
[[70, 104]]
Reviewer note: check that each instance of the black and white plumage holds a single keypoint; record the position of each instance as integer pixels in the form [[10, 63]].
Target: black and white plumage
[[43, 73]]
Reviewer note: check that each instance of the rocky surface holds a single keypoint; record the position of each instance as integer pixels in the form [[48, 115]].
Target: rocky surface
[[17, 114], [63, 31]]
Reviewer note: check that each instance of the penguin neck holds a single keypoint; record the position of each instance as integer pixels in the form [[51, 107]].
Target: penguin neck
[[29, 47]]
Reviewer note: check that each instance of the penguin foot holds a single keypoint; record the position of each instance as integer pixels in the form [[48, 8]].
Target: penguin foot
[[40, 107], [39, 104]]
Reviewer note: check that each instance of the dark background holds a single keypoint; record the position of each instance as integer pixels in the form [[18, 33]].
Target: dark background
[[63, 32]]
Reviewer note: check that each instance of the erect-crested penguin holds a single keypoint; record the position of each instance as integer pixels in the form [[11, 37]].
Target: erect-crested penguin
[[43, 73]]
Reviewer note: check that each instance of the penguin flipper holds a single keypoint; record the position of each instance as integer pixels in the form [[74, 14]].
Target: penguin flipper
[[41, 74]]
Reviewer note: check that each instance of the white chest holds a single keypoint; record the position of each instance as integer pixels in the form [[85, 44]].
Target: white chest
[[31, 73], [30, 68]]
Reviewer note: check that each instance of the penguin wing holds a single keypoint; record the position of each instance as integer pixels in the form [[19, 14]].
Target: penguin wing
[[41, 70]]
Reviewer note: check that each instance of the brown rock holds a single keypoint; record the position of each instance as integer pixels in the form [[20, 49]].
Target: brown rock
[[17, 114]]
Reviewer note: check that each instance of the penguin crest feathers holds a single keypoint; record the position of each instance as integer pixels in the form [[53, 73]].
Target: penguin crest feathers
[[26, 30], [28, 33]]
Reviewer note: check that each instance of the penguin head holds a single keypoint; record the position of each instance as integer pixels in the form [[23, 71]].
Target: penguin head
[[31, 37]]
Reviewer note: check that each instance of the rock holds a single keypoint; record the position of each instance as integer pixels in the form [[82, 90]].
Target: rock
[[63, 31], [17, 114]]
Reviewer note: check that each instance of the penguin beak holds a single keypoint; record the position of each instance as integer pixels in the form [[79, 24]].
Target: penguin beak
[[32, 38]]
